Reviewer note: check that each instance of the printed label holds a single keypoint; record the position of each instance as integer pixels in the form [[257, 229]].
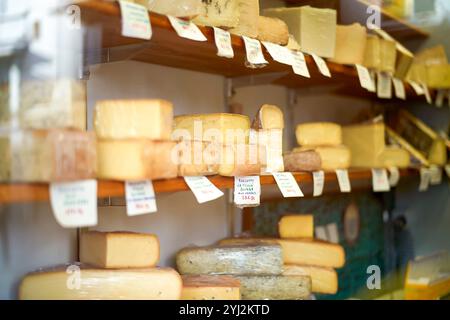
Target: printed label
[[254, 52], [279, 53], [287, 184], [223, 43], [399, 88], [343, 180], [135, 21], [203, 189], [299, 65], [186, 29], [140, 197], [380, 181], [319, 181], [384, 86]]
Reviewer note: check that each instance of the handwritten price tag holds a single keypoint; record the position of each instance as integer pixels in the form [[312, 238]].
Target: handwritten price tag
[[440, 96], [278, 53], [299, 65], [427, 94], [203, 189], [380, 181], [384, 86], [319, 181], [254, 52], [435, 175], [418, 89], [74, 204], [223, 43], [343, 180], [322, 65], [425, 177], [394, 176], [140, 198], [287, 184], [447, 170], [186, 29], [247, 191], [364, 77], [135, 21], [399, 88]]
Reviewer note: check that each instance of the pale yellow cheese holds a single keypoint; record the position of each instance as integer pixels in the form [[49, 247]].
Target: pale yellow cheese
[[269, 117], [296, 226], [271, 141], [372, 56], [209, 287], [113, 250], [198, 158], [248, 18], [101, 284], [388, 52], [178, 8], [218, 13], [123, 119], [273, 30], [350, 44], [438, 76], [395, 157], [324, 280], [241, 160], [319, 134]]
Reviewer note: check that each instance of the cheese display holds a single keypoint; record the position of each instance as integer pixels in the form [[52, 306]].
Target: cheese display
[[197, 158], [372, 56], [101, 284], [395, 157], [313, 28], [296, 226], [207, 287], [273, 30], [233, 259], [218, 13], [47, 156], [275, 287], [319, 134], [323, 280], [176, 8], [119, 249], [297, 161], [241, 160], [248, 18], [438, 76], [268, 117], [136, 159], [331, 158], [124, 119], [350, 44]]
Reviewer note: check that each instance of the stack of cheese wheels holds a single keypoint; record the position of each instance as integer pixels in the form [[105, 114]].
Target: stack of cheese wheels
[[134, 140], [114, 265]]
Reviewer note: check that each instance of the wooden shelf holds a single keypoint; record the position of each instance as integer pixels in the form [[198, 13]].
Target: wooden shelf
[[38, 192]]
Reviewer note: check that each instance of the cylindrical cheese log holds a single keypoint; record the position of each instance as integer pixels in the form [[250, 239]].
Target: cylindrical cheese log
[[331, 158], [207, 287], [273, 30], [323, 280], [302, 161], [319, 134], [242, 259]]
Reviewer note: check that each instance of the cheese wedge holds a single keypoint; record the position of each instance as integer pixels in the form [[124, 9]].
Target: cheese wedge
[[87, 283], [136, 159], [323, 280], [302, 161], [206, 287], [242, 160], [296, 226], [248, 18], [350, 44], [123, 119], [331, 158], [114, 250], [197, 158], [319, 134], [240, 259], [273, 30], [269, 117], [218, 13]]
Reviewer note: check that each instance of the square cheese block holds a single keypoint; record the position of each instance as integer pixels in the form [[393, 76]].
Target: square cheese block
[[388, 59], [438, 76], [350, 44], [275, 287], [372, 55], [418, 73], [271, 141], [115, 250], [248, 18], [331, 158], [137, 159], [47, 156], [296, 226], [242, 160], [302, 161], [319, 134], [395, 157], [239, 259], [313, 28], [218, 13], [225, 128], [268, 117], [123, 119], [273, 30], [323, 280], [206, 287], [198, 158], [101, 284]]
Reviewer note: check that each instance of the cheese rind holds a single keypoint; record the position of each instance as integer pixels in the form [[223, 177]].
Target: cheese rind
[[331, 158], [207, 287], [302, 161], [248, 18], [119, 249], [350, 44], [273, 30], [319, 134], [323, 280], [218, 13], [296, 226]]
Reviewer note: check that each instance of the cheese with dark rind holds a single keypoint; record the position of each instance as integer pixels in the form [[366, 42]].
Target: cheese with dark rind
[[308, 160], [323, 280], [331, 158], [210, 287]]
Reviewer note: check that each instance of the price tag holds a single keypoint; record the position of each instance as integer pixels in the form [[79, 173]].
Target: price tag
[[364, 77], [223, 43], [299, 65], [186, 29], [440, 96], [384, 86], [417, 88], [321, 233], [254, 52], [322, 65], [447, 170], [279, 53], [343, 180], [74, 204], [394, 176], [287, 184], [319, 181], [203, 189], [427, 94], [435, 175], [140, 198], [373, 76], [333, 233], [247, 191], [135, 21], [425, 178], [399, 88], [380, 181]]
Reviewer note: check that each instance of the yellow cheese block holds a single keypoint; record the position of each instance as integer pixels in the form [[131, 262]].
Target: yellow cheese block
[[113, 250], [405, 59], [123, 119], [296, 226], [198, 158], [438, 76], [218, 13], [273, 30], [332, 158], [388, 52], [248, 18], [271, 141], [319, 134], [372, 57], [136, 159], [395, 157], [324, 280], [225, 128], [64, 283], [350, 44], [269, 117], [241, 160], [207, 287]]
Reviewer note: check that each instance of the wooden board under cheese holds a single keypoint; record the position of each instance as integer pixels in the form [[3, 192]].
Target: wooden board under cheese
[[210, 287]]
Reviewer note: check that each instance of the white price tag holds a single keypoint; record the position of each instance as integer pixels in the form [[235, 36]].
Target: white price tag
[[333, 233], [425, 177], [299, 65], [254, 52], [447, 169], [287, 184], [186, 29], [343, 180], [140, 197], [380, 181], [399, 88], [74, 204], [322, 65], [384, 86], [247, 191], [321, 233], [319, 181], [364, 77], [440, 96], [203, 189], [435, 175], [373, 76], [417, 88], [394, 176], [279, 53], [135, 21], [427, 94], [223, 43]]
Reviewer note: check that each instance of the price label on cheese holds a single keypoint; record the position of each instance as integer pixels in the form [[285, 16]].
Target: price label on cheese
[[394, 176], [135, 21], [203, 189], [247, 191], [322, 65], [319, 181], [254, 52], [440, 96], [186, 29], [343, 180], [435, 175], [74, 204], [364, 77], [299, 65], [425, 177], [427, 94], [399, 88], [287, 184], [140, 198], [380, 181], [384, 86], [278, 53], [223, 43], [418, 89]]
